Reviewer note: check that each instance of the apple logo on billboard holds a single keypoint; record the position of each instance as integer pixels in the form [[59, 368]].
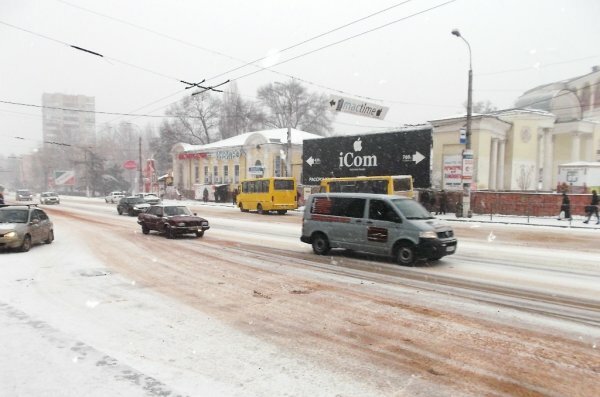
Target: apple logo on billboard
[[357, 145]]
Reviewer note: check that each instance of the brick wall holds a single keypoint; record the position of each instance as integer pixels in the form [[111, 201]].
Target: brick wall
[[533, 204]]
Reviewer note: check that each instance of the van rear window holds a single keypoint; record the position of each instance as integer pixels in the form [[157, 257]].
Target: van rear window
[[339, 206]]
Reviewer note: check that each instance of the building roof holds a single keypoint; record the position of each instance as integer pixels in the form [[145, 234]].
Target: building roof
[[275, 135]]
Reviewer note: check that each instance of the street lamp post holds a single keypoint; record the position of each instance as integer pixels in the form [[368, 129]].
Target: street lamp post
[[468, 164]]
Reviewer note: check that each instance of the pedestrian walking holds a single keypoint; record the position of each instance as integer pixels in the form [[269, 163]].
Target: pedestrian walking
[[443, 203], [592, 209], [425, 199], [565, 207], [432, 202], [205, 195], [234, 196]]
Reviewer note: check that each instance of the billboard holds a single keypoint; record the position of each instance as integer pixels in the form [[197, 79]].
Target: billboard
[[64, 178], [406, 152], [453, 172]]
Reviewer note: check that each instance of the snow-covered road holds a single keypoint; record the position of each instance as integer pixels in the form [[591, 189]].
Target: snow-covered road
[[249, 311]]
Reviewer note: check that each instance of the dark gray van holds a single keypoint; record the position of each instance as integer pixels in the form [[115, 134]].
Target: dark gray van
[[379, 224]]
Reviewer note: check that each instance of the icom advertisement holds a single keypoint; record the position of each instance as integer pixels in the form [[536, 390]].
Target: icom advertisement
[[390, 153]]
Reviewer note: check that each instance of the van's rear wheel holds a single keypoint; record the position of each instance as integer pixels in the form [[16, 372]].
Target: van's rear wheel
[[320, 244], [259, 209], [405, 254]]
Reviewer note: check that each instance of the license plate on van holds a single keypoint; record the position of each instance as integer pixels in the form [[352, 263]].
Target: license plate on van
[[450, 248]]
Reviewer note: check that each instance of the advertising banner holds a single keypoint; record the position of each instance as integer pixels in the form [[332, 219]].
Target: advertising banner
[[404, 152], [64, 178], [452, 172]]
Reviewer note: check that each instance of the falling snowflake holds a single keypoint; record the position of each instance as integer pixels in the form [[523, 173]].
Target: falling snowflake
[[92, 304]]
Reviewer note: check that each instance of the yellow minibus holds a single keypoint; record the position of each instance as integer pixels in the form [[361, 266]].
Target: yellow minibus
[[268, 194]]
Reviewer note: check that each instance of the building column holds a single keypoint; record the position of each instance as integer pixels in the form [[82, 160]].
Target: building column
[[548, 159], [493, 164], [539, 158], [575, 146], [500, 173]]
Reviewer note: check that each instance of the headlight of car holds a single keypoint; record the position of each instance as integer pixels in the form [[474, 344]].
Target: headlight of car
[[429, 234], [181, 224], [11, 234]]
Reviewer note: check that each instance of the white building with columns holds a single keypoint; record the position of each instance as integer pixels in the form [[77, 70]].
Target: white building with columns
[[224, 164], [522, 148]]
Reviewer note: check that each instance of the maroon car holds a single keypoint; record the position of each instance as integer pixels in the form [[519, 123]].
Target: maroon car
[[172, 220]]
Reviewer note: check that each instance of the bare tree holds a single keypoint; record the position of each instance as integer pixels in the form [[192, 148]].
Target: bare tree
[[196, 117], [482, 107], [526, 176], [290, 104], [237, 115]]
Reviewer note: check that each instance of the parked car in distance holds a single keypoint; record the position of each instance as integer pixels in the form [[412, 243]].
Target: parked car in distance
[[172, 220], [49, 198], [150, 198], [22, 226], [114, 197], [23, 195], [132, 205]]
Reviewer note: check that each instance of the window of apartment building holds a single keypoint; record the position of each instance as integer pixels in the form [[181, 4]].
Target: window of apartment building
[[225, 173], [236, 173], [206, 174], [196, 174]]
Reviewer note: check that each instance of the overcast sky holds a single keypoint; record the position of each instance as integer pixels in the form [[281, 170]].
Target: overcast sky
[[414, 66]]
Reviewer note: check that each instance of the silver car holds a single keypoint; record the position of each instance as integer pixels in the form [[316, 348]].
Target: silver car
[[22, 226], [49, 198]]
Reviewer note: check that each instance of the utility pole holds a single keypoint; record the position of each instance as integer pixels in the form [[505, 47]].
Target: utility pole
[[140, 166], [288, 160], [468, 163]]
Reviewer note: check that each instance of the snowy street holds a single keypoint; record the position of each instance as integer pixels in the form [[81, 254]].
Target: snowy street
[[249, 310]]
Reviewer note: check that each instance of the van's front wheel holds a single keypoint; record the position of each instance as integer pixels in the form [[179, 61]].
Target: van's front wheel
[[320, 244], [405, 254]]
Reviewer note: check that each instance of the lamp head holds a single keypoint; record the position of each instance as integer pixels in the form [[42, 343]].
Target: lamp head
[[456, 32]]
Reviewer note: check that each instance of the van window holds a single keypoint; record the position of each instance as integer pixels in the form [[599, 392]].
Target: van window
[[411, 209], [381, 211], [283, 184], [339, 206]]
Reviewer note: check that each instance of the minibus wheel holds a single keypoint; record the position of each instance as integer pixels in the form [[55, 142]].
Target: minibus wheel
[[405, 254], [320, 244], [259, 209]]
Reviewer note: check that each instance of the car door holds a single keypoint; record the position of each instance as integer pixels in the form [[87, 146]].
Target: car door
[[154, 217], [382, 226], [35, 226], [344, 217]]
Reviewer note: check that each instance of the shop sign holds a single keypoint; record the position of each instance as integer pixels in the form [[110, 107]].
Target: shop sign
[[228, 154]]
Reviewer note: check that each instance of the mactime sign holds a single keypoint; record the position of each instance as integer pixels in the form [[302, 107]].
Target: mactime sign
[[391, 153]]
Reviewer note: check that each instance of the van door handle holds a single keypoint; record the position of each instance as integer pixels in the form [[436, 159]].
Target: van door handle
[[369, 223]]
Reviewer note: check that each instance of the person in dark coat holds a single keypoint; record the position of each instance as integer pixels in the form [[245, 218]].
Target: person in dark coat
[[234, 196], [593, 208], [565, 206], [205, 195], [425, 199], [443, 203]]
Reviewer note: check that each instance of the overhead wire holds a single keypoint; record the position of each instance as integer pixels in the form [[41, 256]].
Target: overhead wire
[[246, 63]]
